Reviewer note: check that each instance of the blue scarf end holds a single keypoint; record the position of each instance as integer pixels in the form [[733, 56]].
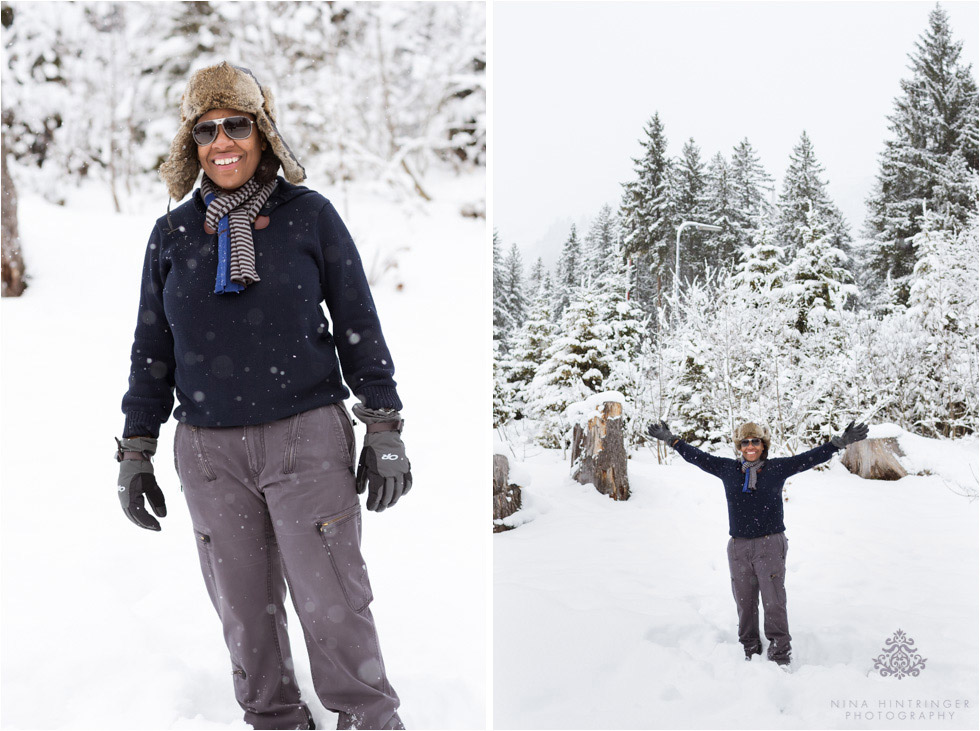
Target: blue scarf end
[[222, 282]]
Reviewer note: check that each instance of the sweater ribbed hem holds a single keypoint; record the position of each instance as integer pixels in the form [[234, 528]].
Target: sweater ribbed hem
[[380, 397], [141, 425]]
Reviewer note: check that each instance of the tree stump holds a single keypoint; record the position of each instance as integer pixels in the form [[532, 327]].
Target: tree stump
[[599, 454], [12, 266], [875, 459], [506, 497]]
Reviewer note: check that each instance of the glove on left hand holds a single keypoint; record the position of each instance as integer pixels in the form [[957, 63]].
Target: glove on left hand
[[136, 479], [383, 467], [660, 431], [851, 434]]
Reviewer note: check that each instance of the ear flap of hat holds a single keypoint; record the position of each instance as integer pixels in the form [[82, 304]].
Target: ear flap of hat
[[181, 167], [291, 169]]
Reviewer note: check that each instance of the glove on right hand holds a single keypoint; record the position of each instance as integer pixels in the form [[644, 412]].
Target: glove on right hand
[[661, 431], [851, 434], [136, 479]]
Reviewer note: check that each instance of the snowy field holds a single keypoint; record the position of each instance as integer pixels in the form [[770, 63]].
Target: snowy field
[[106, 626], [620, 615]]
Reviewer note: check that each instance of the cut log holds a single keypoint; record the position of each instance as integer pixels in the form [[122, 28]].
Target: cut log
[[599, 454], [506, 497], [875, 459], [12, 282]]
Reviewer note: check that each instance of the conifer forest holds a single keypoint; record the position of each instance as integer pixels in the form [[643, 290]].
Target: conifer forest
[[783, 311]]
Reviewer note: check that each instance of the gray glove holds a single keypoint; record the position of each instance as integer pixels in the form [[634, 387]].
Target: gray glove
[[851, 434], [136, 479], [383, 467], [661, 431]]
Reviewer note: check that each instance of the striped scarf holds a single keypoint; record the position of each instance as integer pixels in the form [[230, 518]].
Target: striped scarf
[[231, 214], [750, 469]]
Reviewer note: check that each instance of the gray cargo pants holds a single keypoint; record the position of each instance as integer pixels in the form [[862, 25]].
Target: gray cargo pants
[[758, 566], [272, 505]]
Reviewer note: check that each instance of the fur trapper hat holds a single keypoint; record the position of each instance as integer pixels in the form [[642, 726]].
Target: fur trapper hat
[[749, 430], [223, 87]]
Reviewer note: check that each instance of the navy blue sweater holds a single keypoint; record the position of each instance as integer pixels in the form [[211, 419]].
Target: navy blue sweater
[[758, 512], [264, 353]]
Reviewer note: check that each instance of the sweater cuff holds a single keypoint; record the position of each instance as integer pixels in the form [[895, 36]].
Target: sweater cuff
[[379, 397], [141, 425]]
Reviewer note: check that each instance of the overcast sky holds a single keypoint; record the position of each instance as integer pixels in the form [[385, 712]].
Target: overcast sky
[[575, 82]]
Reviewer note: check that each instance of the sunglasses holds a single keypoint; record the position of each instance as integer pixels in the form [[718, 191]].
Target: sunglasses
[[237, 128], [753, 442]]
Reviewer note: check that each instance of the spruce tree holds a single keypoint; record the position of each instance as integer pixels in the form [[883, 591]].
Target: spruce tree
[[720, 210], [536, 277], [751, 187], [930, 158], [513, 283], [569, 271], [501, 322], [804, 189], [943, 307], [690, 204], [575, 366], [530, 343], [599, 243], [762, 269], [646, 210], [818, 275]]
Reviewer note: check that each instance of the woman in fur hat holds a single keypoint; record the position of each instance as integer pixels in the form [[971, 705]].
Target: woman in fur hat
[[230, 318], [757, 547]]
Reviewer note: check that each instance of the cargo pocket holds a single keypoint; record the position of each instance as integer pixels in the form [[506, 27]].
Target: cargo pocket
[[341, 536], [207, 563], [292, 441], [202, 455]]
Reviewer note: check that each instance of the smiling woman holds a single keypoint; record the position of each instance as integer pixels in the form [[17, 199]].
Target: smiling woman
[[228, 151], [264, 447]]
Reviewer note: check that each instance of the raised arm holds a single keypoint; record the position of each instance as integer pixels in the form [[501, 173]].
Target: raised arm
[[806, 460], [707, 462]]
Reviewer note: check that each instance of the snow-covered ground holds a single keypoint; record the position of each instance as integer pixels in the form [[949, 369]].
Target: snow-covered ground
[[620, 614], [108, 626]]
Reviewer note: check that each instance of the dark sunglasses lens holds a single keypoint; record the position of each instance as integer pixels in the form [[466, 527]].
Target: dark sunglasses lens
[[238, 128], [204, 133], [753, 442]]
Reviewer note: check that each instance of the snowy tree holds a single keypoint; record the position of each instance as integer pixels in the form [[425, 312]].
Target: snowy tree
[[536, 277], [817, 277], [931, 156], [503, 392], [943, 306], [720, 210], [530, 345], [762, 269], [501, 312], [575, 366], [514, 297], [690, 204], [600, 240], [803, 190], [751, 188], [569, 272], [646, 210]]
